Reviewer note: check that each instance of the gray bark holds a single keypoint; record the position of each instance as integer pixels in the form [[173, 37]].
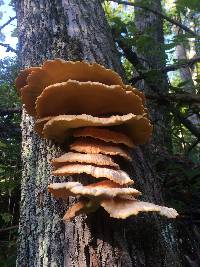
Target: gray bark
[[153, 57], [186, 76], [77, 29], [185, 73]]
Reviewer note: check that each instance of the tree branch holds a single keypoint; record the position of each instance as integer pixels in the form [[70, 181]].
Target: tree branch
[[142, 71], [187, 123], [182, 64], [130, 54], [183, 98], [8, 22], [9, 228], [173, 21], [192, 145], [9, 48]]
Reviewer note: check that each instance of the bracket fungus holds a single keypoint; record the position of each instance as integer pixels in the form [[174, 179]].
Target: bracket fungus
[[86, 97], [105, 135], [117, 176], [92, 146], [57, 128], [94, 159], [104, 118], [102, 190]]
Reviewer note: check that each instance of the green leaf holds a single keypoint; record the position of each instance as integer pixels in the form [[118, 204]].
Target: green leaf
[[6, 217], [14, 33], [191, 4]]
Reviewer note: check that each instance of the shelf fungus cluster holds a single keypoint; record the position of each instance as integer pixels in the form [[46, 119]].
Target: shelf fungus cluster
[[104, 119]]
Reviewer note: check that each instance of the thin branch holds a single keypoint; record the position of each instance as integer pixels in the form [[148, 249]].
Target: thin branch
[[8, 22], [133, 59], [9, 228], [187, 123], [137, 78], [10, 111], [196, 142], [182, 64], [173, 21], [141, 69], [130, 54], [9, 48], [183, 98]]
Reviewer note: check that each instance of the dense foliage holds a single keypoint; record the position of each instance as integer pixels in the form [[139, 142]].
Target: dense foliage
[[177, 165], [10, 161]]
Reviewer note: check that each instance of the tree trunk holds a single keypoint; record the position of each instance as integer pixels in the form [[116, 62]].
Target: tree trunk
[[185, 73], [153, 57], [187, 76], [75, 30]]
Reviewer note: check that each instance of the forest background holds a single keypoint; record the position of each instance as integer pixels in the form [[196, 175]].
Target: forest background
[[163, 59]]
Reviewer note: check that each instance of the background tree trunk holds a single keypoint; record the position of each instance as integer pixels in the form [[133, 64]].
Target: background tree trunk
[[188, 74], [154, 57], [185, 73], [75, 30]]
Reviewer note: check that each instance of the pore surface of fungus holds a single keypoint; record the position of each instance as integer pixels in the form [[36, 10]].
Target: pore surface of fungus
[[122, 208], [58, 127], [96, 159], [104, 134], [117, 176], [73, 97], [138, 128], [92, 146], [105, 189]]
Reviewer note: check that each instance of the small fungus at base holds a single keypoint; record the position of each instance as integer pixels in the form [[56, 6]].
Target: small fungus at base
[[80, 207]]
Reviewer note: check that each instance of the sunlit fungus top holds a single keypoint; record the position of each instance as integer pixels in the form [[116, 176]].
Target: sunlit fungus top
[[103, 120]]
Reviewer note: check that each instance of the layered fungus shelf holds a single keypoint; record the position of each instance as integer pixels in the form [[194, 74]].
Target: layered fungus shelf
[[104, 119]]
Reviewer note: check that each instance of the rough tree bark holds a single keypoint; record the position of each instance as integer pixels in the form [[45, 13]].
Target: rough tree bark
[[153, 57], [75, 30], [185, 73]]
